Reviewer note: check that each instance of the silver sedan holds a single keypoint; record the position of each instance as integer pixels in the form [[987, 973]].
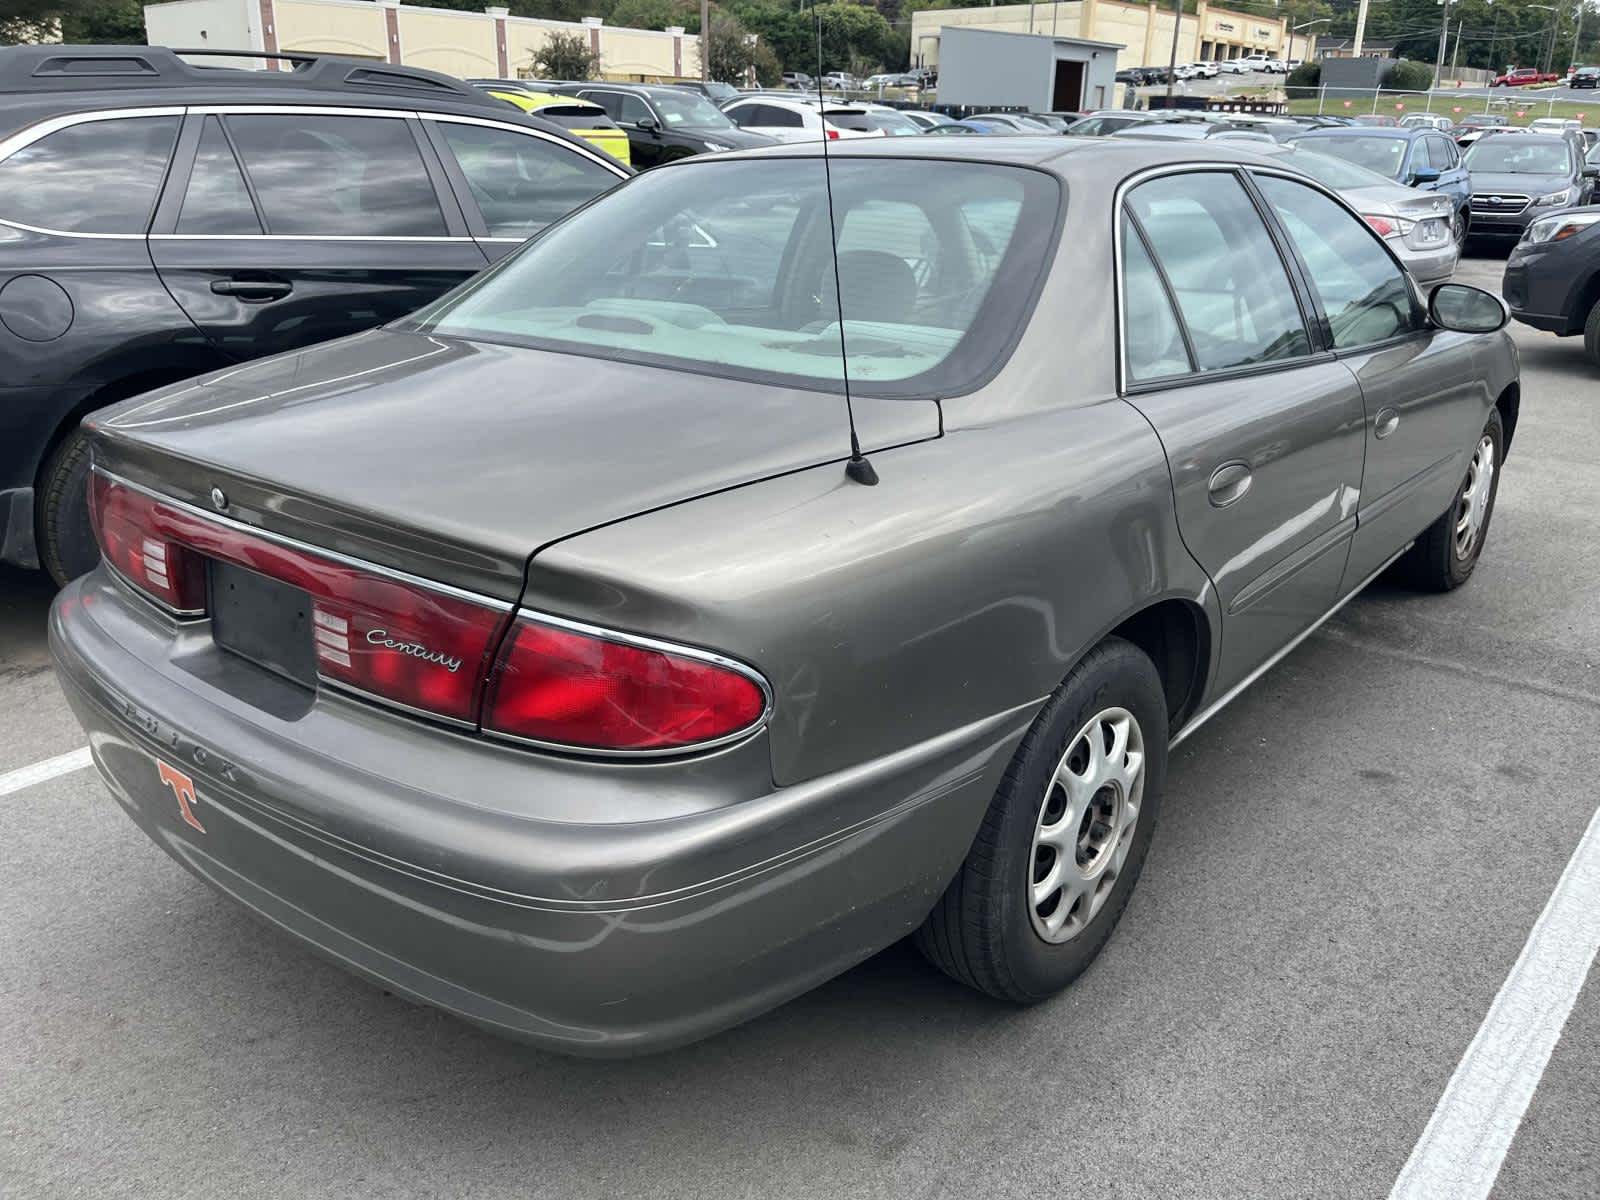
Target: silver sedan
[[1416, 224]]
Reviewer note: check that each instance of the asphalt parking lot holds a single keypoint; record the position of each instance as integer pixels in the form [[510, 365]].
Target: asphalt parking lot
[[1351, 859]]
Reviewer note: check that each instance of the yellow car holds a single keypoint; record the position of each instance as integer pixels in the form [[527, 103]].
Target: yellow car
[[578, 117]]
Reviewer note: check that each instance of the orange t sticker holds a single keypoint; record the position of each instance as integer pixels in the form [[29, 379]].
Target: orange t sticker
[[182, 787]]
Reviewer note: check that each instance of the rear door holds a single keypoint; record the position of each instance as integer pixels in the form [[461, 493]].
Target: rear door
[[284, 226], [511, 181], [1261, 426]]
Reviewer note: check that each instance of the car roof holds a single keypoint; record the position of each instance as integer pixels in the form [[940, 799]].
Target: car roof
[[1365, 131], [1078, 158]]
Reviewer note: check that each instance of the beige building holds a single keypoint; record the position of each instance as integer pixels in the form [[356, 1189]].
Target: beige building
[[1144, 29], [465, 44]]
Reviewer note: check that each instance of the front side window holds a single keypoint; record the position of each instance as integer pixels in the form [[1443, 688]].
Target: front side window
[[343, 176], [1363, 291], [94, 177], [728, 268], [522, 183], [1231, 286]]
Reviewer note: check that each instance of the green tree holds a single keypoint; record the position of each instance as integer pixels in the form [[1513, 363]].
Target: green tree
[[565, 56], [729, 52], [650, 14]]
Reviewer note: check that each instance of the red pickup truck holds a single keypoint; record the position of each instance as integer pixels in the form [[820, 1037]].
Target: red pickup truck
[[1520, 76]]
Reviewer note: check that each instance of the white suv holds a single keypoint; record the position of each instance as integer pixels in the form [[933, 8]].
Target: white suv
[[1255, 62], [791, 119]]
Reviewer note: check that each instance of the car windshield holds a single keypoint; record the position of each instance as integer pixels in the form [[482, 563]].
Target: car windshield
[[1381, 154], [724, 268], [1519, 156], [1337, 173], [683, 109]]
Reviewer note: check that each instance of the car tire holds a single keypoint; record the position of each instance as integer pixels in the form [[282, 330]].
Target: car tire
[[1461, 228], [1591, 334], [67, 547], [991, 928], [1444, 556]]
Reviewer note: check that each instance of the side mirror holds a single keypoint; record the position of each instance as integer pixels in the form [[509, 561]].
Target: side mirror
[[647, 125], [1591, 170], [1425, 175], [1465, 309]]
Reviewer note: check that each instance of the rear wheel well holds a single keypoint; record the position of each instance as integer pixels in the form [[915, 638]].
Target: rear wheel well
[[1509, 403], [1588, 297], [1175, 636], [110, 393]]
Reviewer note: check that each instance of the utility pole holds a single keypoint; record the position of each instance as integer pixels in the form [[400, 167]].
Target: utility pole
[[1444, 33], [705, 40], [1172, 66], [1361, 29], [1577, 35], [1455, 55]]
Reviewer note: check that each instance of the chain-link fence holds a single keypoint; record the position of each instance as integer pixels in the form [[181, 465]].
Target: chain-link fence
[[1517, 105]]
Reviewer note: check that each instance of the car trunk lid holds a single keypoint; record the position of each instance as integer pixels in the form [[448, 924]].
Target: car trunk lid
[[456, 460]]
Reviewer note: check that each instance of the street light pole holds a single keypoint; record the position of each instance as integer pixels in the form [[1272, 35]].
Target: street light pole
[[705, 40], [1293, 29], [1172, 67], [1361, 29], [1444, 33]]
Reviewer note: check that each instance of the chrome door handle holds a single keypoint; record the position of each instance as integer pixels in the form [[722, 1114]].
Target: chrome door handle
[[1386, 422], [1229, 483]]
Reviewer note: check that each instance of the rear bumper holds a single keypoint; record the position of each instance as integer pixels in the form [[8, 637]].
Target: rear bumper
[[1429, 267], [435, 865]]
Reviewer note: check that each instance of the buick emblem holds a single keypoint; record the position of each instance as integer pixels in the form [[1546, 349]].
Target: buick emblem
[[219, 499]]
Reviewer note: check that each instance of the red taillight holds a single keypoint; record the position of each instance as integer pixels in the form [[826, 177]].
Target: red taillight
[[1383, 225], [563, 687], [833, 135], [407, 642], [134, 532], [428, 648]]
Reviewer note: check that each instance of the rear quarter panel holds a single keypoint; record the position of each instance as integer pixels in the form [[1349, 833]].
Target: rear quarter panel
[[966, 583]]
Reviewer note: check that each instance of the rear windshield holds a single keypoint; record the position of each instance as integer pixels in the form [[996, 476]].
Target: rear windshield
[[1336, 173], [1381, 154], [576, 116], [725, 268]]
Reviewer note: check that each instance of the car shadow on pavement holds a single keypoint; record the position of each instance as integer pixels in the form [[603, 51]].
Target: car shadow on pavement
[[24, 606]]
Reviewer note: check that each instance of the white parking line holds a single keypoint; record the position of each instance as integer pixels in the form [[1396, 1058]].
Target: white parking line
[[61, 764], [1460, 1152]]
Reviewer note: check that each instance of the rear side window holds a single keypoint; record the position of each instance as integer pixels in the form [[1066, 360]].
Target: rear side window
[[1153, 341], [217, 201], [95, 177], [727, 268], [522, 183], [1230, 284], [331, 175]]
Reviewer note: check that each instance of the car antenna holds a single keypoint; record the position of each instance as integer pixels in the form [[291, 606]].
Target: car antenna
[[858, 468]]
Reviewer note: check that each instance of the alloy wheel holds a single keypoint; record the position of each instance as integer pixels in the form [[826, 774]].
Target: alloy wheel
[[1086, 825], [1472, 506]]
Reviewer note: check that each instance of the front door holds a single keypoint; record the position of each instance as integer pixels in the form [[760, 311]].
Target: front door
[[1262, 432], [291, 228], [1424, 395], [645, 144]]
